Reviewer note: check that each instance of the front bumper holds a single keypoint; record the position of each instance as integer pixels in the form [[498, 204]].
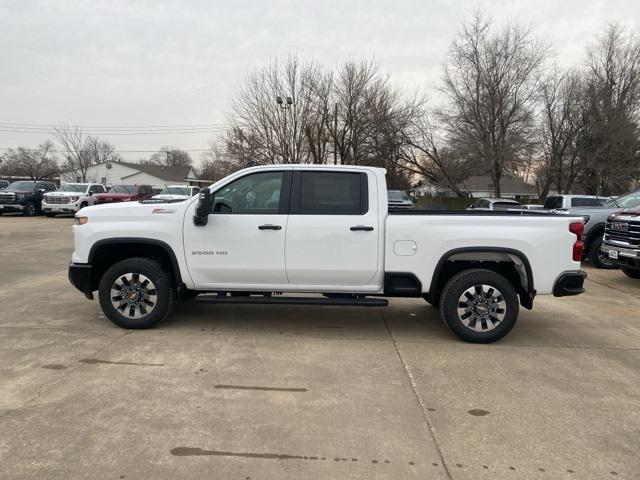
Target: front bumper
[[11, 207], [624, 257], [80, 277], [569, 283], [60, 207]]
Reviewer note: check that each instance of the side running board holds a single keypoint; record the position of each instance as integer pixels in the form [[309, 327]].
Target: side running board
[[271, 300]]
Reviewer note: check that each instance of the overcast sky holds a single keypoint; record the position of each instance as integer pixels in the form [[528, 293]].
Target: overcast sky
[[137, 63]]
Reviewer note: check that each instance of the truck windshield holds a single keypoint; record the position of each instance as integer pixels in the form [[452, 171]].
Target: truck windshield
[[553, 202], [175, 191], [505, 205], [397, 195], [22, 186], [631, 200], [72, 187], [123, 189]]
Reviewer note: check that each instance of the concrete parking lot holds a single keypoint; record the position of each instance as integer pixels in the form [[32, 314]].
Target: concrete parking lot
[[248, 392]]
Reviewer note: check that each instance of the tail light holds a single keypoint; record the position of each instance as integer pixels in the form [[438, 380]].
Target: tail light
[[577, 228]]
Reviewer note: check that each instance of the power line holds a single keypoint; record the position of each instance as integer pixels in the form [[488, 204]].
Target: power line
[[56, 150], [127, 127], [117, 130], [108, 133]]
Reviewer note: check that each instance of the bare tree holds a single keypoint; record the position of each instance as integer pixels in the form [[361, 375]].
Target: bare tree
[[36, 164], [82, 151], [101, 150], [610, 141], [490, 83], [353, 91], [273, 110], [171, 157], [426, 153], [561, 123], [217, 163]]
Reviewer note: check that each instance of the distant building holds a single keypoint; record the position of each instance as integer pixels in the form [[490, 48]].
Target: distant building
[[482, 186], [112, 172]]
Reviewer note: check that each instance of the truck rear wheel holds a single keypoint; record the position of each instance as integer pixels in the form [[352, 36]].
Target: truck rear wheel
[[479, 306], [136, 293]]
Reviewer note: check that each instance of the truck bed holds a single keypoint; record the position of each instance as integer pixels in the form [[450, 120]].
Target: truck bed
[[492, 213]]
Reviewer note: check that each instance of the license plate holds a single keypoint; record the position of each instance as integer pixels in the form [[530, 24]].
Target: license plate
[[613, 254]]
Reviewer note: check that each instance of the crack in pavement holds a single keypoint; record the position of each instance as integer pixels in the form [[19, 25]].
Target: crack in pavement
[[419, 400]]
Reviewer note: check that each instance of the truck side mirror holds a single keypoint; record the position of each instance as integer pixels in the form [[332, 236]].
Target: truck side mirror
[[203, 209]]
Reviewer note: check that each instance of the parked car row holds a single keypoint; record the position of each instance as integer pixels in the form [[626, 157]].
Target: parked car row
[[42, 197]]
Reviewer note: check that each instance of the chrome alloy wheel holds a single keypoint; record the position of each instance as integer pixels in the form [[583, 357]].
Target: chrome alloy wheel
[[133, 295], [481, 308]]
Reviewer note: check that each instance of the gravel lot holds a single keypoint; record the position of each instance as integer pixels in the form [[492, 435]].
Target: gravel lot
[[248, 392]]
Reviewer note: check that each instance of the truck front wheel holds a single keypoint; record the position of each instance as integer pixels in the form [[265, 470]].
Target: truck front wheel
[[136, 293], [597, 257], [479, 306]]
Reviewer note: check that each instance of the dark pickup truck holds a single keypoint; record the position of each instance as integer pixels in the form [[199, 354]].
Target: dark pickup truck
[[24, 196], [621, 242]]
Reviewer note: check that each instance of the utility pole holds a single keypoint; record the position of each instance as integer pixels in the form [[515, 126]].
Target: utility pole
[[335, 134]]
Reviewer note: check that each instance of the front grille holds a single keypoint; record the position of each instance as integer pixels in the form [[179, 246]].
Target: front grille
[[57, 200], [626, 233], [7, 197]]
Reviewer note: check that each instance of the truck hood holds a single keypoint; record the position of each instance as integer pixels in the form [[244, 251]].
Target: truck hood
[[64, 194], [24, 192], [103, 196], [125, 210], [170, 196]]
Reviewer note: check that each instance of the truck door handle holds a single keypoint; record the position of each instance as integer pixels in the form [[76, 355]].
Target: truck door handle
[[361, 228], [269, 227]]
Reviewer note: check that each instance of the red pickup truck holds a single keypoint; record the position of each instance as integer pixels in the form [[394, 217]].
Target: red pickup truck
[[125, 193]]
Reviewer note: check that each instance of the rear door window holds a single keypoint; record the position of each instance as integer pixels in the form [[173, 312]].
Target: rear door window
[[333, 193], [585, 202]]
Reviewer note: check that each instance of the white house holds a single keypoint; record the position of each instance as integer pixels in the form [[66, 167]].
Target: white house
[[112, 173]]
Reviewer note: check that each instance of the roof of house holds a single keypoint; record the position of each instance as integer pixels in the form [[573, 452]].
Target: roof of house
[[484, 183], [163, 172]]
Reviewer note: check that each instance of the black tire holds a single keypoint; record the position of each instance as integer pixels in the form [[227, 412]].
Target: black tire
[[494, 312], [29, 210], [631, 272], [597, 258], [82, 205], [164, 293]]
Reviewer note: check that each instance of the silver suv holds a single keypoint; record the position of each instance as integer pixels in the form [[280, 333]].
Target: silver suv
[[570, 201]]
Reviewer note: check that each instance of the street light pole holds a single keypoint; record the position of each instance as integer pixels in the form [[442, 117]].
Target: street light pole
[[335, 134], [285, 104]]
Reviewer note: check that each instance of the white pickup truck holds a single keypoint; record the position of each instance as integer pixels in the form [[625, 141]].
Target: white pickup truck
[[324, 231]]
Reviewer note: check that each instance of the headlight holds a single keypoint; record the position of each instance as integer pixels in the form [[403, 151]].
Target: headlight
[[20, 196], [586, 218], [74, 198], [81, 220]]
